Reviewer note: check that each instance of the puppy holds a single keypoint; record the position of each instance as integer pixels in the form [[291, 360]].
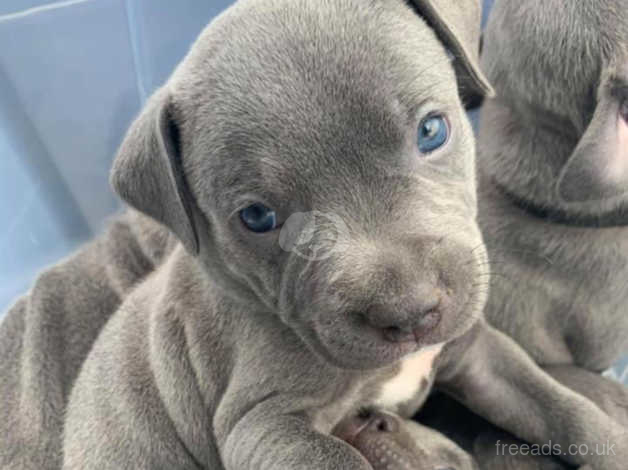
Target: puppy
[[552, 199], [294, 121], [390, 442], [46, 335], [554, 178]]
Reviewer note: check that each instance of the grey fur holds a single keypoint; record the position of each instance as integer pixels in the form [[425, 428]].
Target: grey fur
[[238, 355], [610, 396], [553, 219], [561, 291], [46, 335]]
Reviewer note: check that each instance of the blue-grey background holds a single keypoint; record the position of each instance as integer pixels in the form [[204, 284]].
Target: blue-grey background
[[73, 74]]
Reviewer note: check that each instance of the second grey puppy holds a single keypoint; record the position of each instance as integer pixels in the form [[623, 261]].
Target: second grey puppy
[[553, 160]]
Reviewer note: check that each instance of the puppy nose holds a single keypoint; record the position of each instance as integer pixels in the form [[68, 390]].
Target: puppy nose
[[401, 321], [382, 423]]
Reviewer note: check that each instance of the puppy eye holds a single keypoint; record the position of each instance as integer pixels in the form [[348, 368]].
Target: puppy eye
[[433, 133], [623, 110], [258, 218]]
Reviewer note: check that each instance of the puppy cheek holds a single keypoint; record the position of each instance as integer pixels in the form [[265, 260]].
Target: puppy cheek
[[465, 277]]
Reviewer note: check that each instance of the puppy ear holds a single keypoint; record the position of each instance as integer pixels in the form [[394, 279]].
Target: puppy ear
[[597, 171], [147, 172], [458, 25]]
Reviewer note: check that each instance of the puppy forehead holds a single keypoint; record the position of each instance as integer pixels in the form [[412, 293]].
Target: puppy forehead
[[303, 85]]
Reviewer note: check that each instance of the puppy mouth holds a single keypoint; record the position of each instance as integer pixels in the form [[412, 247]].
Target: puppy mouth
[[415, 335]]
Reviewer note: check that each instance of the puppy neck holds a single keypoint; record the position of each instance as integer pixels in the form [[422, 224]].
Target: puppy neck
[[617, 218], [521, 152]]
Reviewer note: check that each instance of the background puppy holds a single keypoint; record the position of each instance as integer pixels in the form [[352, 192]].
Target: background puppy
[[390, 442], [240, 354], [46, 335], [554, 178], [553, 149]]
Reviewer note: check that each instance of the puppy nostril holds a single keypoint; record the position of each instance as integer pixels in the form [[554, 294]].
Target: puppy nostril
[[382, 424], [392, 330], [396, 334]]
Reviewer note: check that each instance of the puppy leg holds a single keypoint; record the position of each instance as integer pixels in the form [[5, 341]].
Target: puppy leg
[[493, 376], [491, 447], [266, 439], [610, 396]]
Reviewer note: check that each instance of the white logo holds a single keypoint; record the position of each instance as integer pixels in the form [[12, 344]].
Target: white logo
[[313, 235]]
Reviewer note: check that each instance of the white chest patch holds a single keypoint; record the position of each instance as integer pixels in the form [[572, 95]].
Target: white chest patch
[[405, 385]]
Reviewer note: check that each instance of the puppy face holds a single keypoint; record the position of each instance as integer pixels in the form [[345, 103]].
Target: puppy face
[[564, 79], [330, 170], [391, 443]]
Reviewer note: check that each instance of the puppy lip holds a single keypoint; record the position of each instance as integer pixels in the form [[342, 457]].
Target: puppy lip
[[397, 335]]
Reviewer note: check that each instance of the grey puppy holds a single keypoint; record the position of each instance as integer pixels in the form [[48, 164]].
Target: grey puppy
[[553, 194], [46, 335], [390, 442], [553, 168], [237, 354]]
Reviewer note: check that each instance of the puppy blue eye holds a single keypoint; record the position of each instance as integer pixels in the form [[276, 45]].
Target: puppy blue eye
[[258, 218], [433, 133]]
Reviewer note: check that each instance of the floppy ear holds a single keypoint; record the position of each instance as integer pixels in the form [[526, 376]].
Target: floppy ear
[[597, 171], [147, 172], [458, 25]]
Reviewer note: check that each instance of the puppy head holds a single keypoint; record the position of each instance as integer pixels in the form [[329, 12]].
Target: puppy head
[[316, 158], [561, 68], [389, 442]]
